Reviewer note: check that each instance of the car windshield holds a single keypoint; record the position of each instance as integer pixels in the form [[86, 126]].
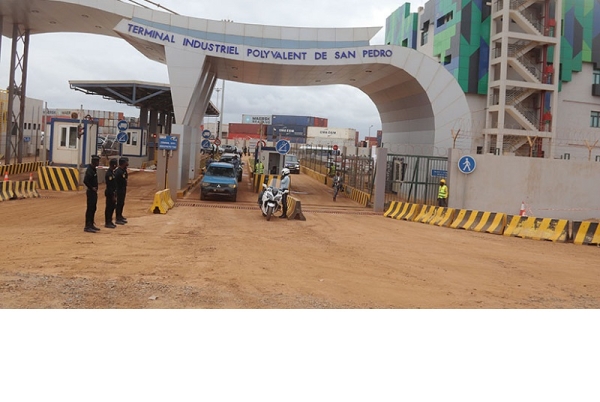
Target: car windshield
[[291, 159], [220, 171]]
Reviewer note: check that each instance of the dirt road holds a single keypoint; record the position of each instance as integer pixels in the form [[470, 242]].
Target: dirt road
[[217, 254]]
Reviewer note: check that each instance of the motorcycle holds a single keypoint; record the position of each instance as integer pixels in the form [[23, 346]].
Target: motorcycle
[[337, 186], [271, 200]]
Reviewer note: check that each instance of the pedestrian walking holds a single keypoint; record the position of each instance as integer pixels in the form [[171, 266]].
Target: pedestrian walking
[[443, 194], [111, 194], [91, 183], [121, 182]]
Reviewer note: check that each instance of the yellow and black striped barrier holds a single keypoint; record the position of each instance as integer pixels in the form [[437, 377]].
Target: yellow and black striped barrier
[[268, 179], [6, 191], [479, 221], [295, 209], [528, 227], [10, 190], [162, 202], [586, 233], [25, 189], [402, 210], [359, 196], [437, 216], [18, 168], [58, 178]]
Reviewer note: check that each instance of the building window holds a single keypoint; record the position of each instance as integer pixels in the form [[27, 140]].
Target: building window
[[444, 19], [595, 119], [405, 43], [596, 76], [447, 60], [68, 137], [425, 33]]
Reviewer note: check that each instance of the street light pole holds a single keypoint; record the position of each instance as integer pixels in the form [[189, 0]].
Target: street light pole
[[370, 130]]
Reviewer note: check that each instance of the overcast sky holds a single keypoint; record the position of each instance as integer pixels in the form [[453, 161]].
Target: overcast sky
[[54, 59]]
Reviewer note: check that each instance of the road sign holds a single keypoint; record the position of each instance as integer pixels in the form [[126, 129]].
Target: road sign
[[217, 142], [335, 147], [206, 144], [283, 147], [26, 139], [122, 137], [261, 143], [466, 164], [167, 143], [439, 173], [122, 125], [206, 134]]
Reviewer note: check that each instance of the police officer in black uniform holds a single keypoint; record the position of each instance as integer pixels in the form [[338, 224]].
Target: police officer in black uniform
[[111, 194], [121, 181], [91, 182]]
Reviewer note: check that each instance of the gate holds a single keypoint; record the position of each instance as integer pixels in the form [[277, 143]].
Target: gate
[[413, 178]]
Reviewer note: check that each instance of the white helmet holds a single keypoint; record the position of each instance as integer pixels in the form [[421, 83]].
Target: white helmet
[[285, 171]]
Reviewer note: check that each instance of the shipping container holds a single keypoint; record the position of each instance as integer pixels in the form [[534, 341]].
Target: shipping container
[[256, 119], [276, 131], [293, 120], [320, 122], [331, 132], [252, 129]]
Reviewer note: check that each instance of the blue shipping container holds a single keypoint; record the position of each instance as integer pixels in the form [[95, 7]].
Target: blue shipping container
[[286, 130], [279, 119]]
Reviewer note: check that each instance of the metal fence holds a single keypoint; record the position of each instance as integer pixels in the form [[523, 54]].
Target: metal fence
[[356, 171], [415, 179]]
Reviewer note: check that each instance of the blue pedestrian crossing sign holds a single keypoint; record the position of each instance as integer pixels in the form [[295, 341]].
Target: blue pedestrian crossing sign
[[466, 164], [283, 147], [206, 144]]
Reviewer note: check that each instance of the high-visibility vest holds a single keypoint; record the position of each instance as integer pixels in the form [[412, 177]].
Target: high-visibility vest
[[443, 191], [259, 167]]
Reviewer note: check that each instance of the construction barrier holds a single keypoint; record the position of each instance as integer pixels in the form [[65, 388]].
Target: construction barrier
[[437, 216], [25, 189], [294, 209], [10, 190], [58, 178], [162, 202], [268, 179], [478, 221], [6, 191], [586, 233], [537, 228], [356, 195], [402, 210], [17, 168], [315, 175]]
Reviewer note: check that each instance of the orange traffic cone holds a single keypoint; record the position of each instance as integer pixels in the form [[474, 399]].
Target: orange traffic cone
[[30, 176], [6, 176], [522, 210]]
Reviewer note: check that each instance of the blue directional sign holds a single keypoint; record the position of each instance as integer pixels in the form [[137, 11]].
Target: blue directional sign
[[122, 137], [206, 144], [283, 147], [26, 139], [122, 125], [467, 164], [167, 143], [206, 134], [439, 173]]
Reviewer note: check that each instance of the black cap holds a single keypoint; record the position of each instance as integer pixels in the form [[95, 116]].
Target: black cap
[[123, 160], [113, 162], [95, 157]]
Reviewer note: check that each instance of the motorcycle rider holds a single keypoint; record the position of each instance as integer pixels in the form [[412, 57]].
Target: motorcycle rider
[[285, 185]]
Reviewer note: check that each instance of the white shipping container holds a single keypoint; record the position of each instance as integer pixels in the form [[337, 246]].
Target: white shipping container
[[341, 134]]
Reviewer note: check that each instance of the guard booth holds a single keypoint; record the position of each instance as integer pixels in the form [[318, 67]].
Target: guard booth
[[271, 159], [72, 141]]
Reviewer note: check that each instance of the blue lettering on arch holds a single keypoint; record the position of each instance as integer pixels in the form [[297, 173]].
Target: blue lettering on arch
[[349, 54]]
